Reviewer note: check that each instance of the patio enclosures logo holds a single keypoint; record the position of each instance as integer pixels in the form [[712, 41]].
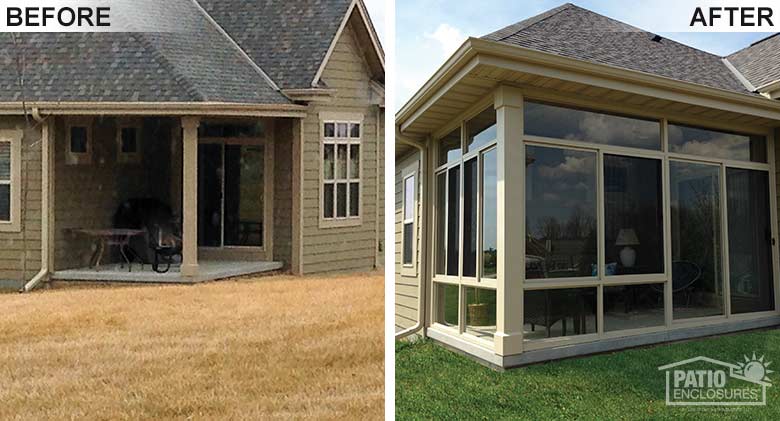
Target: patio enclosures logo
[[703, 381], [97, 15]]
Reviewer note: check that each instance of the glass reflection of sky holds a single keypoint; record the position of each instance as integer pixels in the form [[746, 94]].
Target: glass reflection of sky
[[558, 182], [695, 141], [572, 124]]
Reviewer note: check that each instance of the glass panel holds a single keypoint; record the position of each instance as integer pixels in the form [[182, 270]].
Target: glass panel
[[449, 147], [341, 162], [447, 304], [244, 195], [633, 307], [341, 130], [78, 139], [129, 140], [572, 124], [750, 238], [354, 161], [354, 131], [560, 213], [697, 275], [559, 312], [5, 161], [330, 129], [329, 161], [409, 198], [408, 243], [327, 201], [441, 222], [470, 218], [633, 215], [341, 200], [354, 199], [481, 130], [453, 221], [5, 202], [210, 195], [716, 144], [489, 214], [480, 312]]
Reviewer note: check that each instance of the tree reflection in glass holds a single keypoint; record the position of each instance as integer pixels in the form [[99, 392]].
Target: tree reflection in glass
[[697, 275], [560, 213]]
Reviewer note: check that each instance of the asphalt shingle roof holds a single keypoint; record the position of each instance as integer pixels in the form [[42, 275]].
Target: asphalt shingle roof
[[759, 63], [578, 33], [197, 64], [288, 39]]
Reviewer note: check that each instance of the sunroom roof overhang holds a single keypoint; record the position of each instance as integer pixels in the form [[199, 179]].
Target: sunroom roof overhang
[[479, 66]]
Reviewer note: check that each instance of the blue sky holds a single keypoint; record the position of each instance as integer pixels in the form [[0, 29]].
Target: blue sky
[[429, 31]]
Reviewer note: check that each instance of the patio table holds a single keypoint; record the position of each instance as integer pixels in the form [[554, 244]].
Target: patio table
[[110, 237]]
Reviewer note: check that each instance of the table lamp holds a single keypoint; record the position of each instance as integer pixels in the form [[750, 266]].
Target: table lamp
[[627, 238]]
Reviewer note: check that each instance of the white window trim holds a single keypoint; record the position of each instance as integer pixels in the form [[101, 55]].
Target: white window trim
[[72, 158], [129, 157], [410, 171], [339, 117], [14, 137]]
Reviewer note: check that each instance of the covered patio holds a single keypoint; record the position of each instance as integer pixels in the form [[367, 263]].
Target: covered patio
[[194, 194]]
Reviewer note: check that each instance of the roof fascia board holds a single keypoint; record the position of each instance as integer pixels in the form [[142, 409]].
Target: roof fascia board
[[311, 94], [243, 53], [356, 4], [463, 72], [770, 90], [546, 64], [157, 109], [446, 71]]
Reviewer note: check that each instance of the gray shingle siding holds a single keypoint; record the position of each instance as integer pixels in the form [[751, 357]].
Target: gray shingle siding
[[574, 32], [759, 63]]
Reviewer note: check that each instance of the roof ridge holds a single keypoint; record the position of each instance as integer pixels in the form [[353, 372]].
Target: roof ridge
[[240, 50], [516, 27], [178, 76]]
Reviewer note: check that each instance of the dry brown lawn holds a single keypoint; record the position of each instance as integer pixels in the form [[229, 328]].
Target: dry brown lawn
[[279, 347]]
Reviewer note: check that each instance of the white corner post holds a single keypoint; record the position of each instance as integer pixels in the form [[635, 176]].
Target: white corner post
[[189, 264], [511, 214]]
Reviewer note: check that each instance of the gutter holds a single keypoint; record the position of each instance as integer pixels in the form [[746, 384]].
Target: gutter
[[422, 267], [53, 108], [45, 205]]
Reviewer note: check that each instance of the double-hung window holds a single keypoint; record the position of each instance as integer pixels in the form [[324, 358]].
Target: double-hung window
[[10, 174], [341, 170]]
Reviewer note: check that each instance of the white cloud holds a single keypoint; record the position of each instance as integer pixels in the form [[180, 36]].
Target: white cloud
[[448, 37]]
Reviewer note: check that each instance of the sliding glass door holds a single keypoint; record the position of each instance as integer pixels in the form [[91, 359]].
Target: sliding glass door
[[231, 194]]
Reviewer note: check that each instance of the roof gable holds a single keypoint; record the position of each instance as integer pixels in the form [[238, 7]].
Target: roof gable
[[574, 32], [288, 39]]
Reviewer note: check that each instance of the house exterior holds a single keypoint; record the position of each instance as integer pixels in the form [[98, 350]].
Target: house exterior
[[260, 125], [570, 184]]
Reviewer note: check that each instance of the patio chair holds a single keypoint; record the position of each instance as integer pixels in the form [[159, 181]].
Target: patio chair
[[684, 275]]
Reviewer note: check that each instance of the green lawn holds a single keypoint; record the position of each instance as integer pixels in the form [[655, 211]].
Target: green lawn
[[434, 383]]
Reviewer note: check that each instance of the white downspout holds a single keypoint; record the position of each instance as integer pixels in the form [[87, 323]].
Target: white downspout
[[45, 160], [422, 267]]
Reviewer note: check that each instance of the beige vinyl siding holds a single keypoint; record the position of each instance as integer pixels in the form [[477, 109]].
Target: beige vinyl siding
[[380, 261], [87, 196], [23, 249], [354, 247], [283, 161], [406, 287]]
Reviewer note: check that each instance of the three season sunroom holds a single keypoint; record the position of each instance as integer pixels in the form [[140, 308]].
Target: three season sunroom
[[555, 225]]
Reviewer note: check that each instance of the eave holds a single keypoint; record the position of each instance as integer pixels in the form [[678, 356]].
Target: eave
[[478, 66], [155, 108]]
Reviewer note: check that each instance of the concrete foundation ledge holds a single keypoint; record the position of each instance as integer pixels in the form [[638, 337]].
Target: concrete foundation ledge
[[8, 285], [488, 357]]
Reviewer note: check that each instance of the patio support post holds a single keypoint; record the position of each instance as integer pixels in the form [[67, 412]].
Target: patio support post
[[511, 214], [189, 264]]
